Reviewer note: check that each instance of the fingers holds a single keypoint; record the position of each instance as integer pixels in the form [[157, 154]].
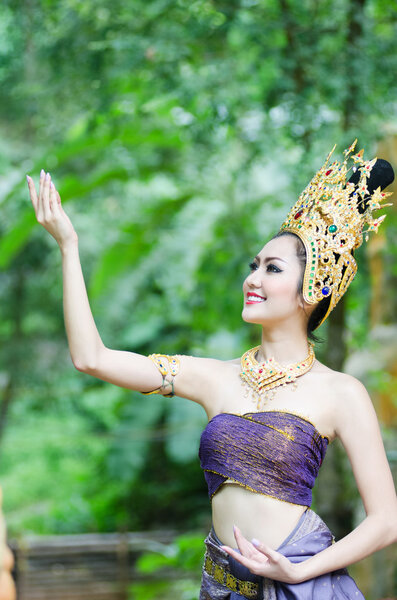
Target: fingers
[[249, 556], [262, 560], [247, 562], [40, 207], [46, 197], [33, 194], [266, 550], [244, 545], [48, 201], [54, 204]]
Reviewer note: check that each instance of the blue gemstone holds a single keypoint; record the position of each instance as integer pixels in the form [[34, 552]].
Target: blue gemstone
[[325, 291]]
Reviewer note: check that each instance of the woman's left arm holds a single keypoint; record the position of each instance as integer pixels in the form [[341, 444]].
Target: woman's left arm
[[358, 429], [356, 425]]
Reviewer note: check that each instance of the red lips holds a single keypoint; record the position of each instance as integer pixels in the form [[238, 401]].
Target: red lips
[[250, 294]]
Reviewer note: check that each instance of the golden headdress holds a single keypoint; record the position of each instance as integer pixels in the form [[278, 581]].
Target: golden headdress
[[330, 218]]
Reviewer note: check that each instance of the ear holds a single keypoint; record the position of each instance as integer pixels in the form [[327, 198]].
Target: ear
[[301, 302], [307, 308]]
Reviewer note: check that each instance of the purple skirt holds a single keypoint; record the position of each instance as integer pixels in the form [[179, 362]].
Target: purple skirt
[[224, 578]]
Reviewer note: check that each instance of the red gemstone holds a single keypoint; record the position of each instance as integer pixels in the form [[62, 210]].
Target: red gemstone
[[260, 370], [298, 214], [328, 172]]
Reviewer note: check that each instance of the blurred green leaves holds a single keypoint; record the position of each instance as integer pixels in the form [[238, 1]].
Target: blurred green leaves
[[178, 134], [182, 560]]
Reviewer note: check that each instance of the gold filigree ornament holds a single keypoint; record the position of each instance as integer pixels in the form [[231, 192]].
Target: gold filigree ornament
[[261, 378], [169, 368], [330, 218]]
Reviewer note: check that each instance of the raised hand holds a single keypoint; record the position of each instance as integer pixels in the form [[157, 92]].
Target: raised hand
[[263, 560], [49, 211]]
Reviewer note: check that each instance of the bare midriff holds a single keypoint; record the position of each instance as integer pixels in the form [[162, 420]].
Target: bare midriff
[[257, 516]]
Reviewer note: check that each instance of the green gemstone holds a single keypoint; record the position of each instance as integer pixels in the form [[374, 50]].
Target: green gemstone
[[332, 228]]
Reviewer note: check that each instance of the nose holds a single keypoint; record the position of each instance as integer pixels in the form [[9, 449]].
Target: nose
[[254, 279]]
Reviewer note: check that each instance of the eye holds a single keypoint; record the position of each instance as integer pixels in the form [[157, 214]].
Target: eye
[[272, 268], [253, 266]]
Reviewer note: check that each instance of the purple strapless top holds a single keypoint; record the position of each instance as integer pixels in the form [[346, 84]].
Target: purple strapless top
[[274, 453]]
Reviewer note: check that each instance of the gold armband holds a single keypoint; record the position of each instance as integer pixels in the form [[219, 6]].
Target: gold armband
[[160, 360]]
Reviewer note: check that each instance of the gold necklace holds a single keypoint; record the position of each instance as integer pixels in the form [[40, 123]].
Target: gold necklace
[[260, 379]]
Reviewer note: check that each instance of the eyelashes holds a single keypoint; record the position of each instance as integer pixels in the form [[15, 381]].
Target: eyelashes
[[271, 268]]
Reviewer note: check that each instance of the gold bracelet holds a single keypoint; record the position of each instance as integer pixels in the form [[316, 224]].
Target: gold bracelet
[[172, 371]]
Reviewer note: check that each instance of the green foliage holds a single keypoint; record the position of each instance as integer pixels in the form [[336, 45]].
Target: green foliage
[[182, 559], [186, 553], [185, 589], [177, 133]]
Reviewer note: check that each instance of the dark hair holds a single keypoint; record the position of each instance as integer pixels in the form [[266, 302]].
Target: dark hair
[[321, 308]]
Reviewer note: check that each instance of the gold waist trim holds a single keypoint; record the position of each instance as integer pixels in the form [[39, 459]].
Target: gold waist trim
[[224, 577]]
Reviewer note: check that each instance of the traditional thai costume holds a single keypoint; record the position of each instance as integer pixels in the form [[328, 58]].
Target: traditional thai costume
[[279, 453]]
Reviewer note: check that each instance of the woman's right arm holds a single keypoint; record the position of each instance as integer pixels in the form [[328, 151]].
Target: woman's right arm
[[126, 369]]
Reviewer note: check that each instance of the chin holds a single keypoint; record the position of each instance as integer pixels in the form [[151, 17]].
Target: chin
[[249, 317]]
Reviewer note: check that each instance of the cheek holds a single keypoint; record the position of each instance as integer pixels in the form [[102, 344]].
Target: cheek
[[281, 287]]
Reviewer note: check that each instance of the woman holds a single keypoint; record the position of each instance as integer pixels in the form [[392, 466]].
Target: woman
[[272, 412]]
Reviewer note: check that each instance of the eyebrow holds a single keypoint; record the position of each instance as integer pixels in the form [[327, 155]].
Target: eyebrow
[[270, 258]]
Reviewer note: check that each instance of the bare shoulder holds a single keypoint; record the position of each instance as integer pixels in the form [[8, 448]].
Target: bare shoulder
[[352, 406], [202, 379], [343, 385], [350, 390]]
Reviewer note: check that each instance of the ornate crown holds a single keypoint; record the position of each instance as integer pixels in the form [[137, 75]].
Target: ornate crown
[[329, 217]]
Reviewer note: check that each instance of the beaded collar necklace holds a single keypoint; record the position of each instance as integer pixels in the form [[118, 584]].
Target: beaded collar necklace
[[260, 379]]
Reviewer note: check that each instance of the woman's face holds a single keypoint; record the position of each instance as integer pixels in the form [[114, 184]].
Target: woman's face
[[271, 289]]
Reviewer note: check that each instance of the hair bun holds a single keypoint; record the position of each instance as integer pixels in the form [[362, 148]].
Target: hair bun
[[381, 174]]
